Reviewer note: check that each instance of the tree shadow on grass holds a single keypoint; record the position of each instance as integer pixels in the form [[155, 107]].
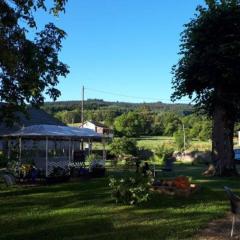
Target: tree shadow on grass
[[157, 219], [54, 197], [70, 186], [58, 228], [97, 224], [53, 201], [102, 227], [83, 210]]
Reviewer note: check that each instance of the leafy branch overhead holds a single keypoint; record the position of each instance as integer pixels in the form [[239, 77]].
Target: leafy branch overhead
[[208, 71], [29, 68]]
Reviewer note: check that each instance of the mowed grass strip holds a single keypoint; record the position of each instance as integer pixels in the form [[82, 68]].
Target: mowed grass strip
[[85, 210], [154, 142]]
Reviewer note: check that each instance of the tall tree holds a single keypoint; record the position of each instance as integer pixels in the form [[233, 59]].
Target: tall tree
[[129, 124], [29, 68], [209, 73]]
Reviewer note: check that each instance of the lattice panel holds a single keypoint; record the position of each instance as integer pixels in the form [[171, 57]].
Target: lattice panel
[[58, 162]]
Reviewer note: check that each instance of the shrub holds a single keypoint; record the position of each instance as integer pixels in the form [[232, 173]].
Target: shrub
[[179, 140], [95, 161], [163, 153], [123, 146], [131, 190], [90, 158]]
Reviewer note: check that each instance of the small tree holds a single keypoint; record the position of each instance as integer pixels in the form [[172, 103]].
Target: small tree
[[182, 142], [123, 146], [164, 153]]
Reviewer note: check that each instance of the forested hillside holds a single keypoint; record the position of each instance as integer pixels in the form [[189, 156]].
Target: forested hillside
[[135, 119], [106, 112], [96, 104]]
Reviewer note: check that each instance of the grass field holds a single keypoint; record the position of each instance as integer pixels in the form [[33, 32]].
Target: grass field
[[153, 142], [156, 141], [84, 210]]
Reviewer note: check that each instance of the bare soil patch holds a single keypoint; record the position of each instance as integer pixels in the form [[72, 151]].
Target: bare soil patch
[[220, 229]]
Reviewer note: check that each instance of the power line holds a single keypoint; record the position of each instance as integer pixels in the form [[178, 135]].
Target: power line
[[129, 96]]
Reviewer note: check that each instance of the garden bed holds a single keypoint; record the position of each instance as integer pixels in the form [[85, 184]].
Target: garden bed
[[179, 186]]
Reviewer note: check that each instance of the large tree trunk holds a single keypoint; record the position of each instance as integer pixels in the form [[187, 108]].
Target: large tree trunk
[[222, 143]]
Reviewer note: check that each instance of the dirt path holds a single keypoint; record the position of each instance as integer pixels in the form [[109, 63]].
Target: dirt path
[[220, 230]]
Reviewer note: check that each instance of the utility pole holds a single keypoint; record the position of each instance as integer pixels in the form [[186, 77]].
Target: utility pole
[[82, 117]]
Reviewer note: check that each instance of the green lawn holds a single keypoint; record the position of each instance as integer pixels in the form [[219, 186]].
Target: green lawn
[[85, 210], [154, 142]]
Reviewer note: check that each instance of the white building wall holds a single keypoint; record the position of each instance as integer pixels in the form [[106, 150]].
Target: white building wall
[[89, 125]]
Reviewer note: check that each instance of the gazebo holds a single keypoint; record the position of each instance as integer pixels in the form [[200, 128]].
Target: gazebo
[[50, 146]]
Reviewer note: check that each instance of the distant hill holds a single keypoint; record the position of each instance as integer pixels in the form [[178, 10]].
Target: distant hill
[[97, 104]]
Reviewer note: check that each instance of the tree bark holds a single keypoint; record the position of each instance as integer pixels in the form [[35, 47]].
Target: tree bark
[[222, 143]]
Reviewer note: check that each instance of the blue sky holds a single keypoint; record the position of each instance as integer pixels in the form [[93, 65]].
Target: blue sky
[[123, 47]]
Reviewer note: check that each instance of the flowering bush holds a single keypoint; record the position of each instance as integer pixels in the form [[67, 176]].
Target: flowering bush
[[131, 190]]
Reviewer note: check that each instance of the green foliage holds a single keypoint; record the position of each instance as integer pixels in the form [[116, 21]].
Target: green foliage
[[157, 125], [94, 160], [69, 116], [130, 124], [179, 140], [90, 158], [123, 146], [198, 126], [29, 67], [171, 123], [206, 132], [143, 120], [208, 69], [163, 153], [236, 128], [147, 120], [118, 108], [131, 190]]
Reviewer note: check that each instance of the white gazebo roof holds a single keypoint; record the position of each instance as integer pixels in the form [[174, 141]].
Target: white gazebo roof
[[55, 131]]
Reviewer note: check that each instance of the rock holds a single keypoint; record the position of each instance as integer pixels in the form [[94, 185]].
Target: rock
[[193, 157]]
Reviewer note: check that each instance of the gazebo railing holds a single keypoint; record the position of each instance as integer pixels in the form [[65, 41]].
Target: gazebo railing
[[62, 162]]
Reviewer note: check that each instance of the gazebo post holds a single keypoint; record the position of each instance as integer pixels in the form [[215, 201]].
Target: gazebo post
[[73, 149], [89, 146], [8, 142], [69, 150], [82, 144], [45, 133], [46, 156], [20, 150], [104, 149]]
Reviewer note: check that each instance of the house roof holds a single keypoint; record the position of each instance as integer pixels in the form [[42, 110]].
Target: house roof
[[98, 124], [54, 131], [34, 117]]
